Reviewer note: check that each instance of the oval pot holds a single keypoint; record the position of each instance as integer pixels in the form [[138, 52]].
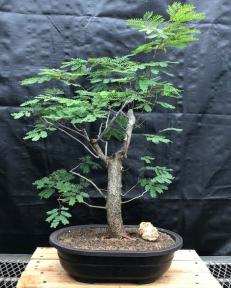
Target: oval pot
[[114, 266]]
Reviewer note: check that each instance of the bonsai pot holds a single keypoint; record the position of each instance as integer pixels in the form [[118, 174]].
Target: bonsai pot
[[114, 266]]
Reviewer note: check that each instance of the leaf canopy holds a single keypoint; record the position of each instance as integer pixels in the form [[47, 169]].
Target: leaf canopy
[[101, 92]]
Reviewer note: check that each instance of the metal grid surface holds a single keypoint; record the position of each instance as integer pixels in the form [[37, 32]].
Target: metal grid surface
[[10, 272], [222, 272]]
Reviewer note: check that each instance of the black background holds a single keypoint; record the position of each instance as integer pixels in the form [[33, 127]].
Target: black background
[[35, 34]]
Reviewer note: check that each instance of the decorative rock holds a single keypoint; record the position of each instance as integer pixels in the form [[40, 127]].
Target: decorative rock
[[148, 232]]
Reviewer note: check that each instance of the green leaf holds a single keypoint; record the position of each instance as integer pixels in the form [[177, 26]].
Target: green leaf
[[20, 114], [46, 193], [122, 121], [63, 219], [84, 194], [65, 214], [58, 216], [145, 84], [172, 129], [101, 88], [87, 164], [170, 91], [153, 194], [147, 159], [79, 198], [72, 201], [158, 182], [51, 217], [43, 134], [147, 107], [17, 115], [156, 139], [114, 133], [155, 71], [175, 32], [36, 137], [181, 13], [165, 105], [53, 211], [35, 80], [55, 223]]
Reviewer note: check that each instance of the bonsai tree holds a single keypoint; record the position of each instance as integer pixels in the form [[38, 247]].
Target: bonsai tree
[[109, 92]]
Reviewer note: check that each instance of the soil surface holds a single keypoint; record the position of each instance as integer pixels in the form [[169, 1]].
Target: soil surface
[[97, 239]]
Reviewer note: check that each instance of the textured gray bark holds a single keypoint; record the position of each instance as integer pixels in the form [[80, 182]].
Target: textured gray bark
[[114, 191], [113, 206]]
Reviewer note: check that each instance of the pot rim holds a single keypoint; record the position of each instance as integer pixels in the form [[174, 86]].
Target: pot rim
[[53, 239]]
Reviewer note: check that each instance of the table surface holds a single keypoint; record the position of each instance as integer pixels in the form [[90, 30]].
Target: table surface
[[187, 270]]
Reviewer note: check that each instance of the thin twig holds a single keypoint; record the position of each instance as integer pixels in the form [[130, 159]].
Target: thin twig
[[137, 197], [130, 189], [114, 118], [106, 147], [78, 129], [76, 139], [100, 129], [74, 168], [88, 180], [106, 125], [75, 131], [108, 117], [73, 137], [86, 134], [93, 206]]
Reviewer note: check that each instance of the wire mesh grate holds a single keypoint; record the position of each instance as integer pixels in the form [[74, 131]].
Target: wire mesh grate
[[222, 272], [10, 272]]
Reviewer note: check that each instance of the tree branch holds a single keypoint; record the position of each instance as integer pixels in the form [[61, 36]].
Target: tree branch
[[74, 168], [86, 134], [98, 150], [75, 131], [137, 197], [73, 137], [106, 125], [78, 129], [106, 148], [88, 180], [114, 118], [130, 189], [100, 129], [76, 139], [93, 206]]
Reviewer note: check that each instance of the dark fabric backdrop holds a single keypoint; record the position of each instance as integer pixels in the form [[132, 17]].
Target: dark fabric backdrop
[[39, 33]]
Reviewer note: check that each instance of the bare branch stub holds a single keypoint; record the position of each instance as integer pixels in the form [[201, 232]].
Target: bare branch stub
[[129, 130]]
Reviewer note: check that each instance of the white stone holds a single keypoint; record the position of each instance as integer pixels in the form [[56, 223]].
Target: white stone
[[147, 231]]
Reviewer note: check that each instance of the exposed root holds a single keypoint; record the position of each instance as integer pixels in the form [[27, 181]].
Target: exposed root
[[127, 236], [124, 235]]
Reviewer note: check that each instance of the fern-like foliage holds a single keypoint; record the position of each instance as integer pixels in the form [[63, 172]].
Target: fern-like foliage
[[105, 92], [175, 32], [63, 184], [157, 179]]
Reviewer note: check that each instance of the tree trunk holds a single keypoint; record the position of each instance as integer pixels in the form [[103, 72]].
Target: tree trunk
[[113, 206]]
